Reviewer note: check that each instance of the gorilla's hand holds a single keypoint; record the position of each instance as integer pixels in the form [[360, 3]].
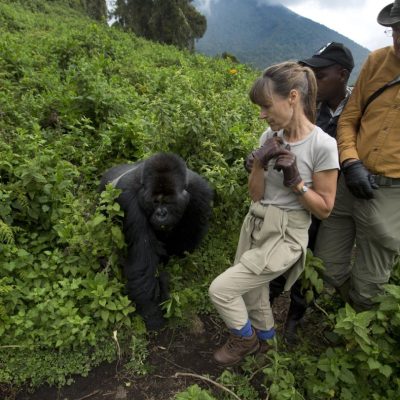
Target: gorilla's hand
[[268, 150], [150, 310], [151, 314], [359, 180]]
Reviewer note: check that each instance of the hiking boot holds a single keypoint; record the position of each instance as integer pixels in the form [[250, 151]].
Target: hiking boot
[[264, 346], [235, 349], [290, 334], [344, 290], [294, 319]]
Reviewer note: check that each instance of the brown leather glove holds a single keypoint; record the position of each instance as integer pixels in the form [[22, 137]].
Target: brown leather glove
[[265, 153], [286, 162]]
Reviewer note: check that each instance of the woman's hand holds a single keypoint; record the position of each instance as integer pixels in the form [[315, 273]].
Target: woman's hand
[[319, 199], [264, 153], [268, 150], [286, 162]]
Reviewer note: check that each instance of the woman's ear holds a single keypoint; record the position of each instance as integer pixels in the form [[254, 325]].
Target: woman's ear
[[293, 95]]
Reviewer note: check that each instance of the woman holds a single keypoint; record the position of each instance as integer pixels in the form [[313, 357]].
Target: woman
[[293, 174]]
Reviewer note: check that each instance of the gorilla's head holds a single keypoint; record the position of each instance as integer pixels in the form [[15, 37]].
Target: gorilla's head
[[164, 196]]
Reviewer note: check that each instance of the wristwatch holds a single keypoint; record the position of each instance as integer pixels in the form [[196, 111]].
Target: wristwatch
[[300, 191]]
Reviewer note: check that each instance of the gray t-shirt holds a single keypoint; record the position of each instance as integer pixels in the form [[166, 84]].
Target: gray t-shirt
[[317, 152]]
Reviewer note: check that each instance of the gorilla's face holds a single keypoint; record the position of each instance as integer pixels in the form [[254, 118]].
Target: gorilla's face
[[167, 210], [164, 203], [163, 194]]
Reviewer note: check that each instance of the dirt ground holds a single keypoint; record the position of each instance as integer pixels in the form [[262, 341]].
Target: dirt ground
[[172, 352]]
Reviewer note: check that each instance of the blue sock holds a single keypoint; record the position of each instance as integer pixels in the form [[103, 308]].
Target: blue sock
[[246, 331], [266, 335]]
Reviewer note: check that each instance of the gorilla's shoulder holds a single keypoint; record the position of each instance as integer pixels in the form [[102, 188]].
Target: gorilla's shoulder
[[196, 184], [167, 170], [121, 173]]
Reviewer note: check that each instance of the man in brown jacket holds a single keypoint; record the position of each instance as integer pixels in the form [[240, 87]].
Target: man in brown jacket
[[367, 206]]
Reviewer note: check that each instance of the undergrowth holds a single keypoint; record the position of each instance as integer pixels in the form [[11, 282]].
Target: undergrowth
[[77, 97]]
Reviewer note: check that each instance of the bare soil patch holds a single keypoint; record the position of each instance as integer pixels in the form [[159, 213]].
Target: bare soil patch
[[172, 351]]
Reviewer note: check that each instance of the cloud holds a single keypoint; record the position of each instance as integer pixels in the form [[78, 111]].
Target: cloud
[[355, 19], [204, 6], [316, 3]]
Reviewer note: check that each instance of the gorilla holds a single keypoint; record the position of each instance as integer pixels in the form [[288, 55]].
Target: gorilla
[[166, 208]]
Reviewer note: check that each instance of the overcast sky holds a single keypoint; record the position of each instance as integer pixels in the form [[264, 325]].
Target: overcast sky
[[355, 19]]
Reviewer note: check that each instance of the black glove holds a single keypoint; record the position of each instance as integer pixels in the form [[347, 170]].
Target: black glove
[[286, 161], [359, 180]]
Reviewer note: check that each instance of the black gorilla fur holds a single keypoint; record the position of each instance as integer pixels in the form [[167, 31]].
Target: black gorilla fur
[[166, 212]]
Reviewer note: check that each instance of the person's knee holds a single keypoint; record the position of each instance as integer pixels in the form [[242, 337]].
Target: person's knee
[[363, 292], [216, 290], [336, 274]]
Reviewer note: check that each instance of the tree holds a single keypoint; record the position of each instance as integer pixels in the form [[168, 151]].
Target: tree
[[96, 9], [134, 15], [174, 22]]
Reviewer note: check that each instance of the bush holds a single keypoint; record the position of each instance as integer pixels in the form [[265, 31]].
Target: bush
[[78, 97]]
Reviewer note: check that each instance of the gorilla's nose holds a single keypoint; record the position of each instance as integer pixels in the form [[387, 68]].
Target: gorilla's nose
[[161, 213]]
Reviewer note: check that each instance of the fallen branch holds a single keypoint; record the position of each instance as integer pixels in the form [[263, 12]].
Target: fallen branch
[[89, 395], [324, 312], [218, 385]]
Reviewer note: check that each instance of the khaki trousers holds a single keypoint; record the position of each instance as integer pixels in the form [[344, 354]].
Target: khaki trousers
[[272, 242], [374, 225]]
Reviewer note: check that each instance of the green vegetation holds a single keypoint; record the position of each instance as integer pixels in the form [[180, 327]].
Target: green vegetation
[[361, 362], [77, 97]]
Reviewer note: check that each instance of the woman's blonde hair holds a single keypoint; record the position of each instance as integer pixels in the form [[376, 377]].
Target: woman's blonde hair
[[285, 77]]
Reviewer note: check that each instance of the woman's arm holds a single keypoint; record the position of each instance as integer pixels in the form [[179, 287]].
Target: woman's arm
[[256, 181], [319, 199], [261, 157]]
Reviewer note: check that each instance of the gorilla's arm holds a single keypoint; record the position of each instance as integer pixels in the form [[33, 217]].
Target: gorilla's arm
[[142, 259], [143, 252], [194, 223]]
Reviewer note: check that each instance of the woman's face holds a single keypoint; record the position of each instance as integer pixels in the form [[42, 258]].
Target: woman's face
[[277, 111]]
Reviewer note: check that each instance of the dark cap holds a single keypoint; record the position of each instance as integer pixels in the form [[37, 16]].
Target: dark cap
[[332, 53], [390, 15]]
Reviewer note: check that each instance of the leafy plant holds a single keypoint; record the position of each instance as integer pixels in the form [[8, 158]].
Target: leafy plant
[[194, 392], [311, 278]]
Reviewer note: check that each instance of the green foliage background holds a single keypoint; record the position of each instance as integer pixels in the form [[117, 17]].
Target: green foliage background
[[77, 97]]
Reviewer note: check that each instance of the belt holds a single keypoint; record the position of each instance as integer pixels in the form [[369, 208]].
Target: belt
[[386, 181]]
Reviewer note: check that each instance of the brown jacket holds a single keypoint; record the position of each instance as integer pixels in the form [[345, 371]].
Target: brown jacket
[[374, 137]]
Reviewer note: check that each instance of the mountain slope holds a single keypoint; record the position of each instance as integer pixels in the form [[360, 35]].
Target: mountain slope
[[260, 34], [77, 97]]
